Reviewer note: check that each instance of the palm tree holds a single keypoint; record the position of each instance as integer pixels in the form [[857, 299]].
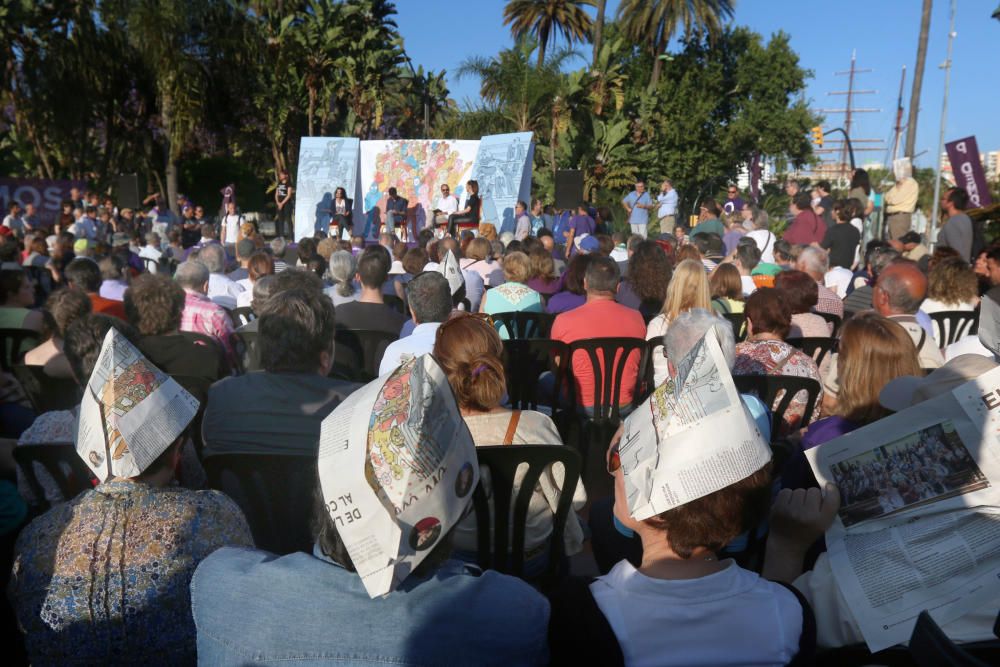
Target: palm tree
[[546, 19], [654, 23], [598, 28]]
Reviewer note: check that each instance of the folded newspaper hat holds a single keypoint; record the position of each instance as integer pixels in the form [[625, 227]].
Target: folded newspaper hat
[[397, 466], [130, 413], [671, 451], [908, 390], [452, 272]]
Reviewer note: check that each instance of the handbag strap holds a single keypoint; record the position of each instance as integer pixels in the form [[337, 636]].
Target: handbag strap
[[515, 417]]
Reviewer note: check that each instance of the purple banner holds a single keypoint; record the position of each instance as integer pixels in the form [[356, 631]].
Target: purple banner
[[967, 170], [47, 195]]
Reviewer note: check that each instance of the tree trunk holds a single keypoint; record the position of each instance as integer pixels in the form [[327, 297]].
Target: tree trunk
[[543, 40], [312, 109], [918, 79], [598, 29], [654, 78], [166, 113]]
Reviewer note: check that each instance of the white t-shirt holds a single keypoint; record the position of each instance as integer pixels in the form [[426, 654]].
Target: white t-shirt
[[731, 617], [749, 286], [838, 279], [447, 204], [232, 225], [765, 241]]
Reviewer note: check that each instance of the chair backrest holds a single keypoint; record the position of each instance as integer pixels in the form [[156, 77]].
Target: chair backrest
[[654, 346], [950, 325], [152, 265], [738, 320], [359, 352], [243, 315], [45, 392], [832, 319], [525, 325], [816, 347], [61, 462], [930, 646], [14, 344], [524, 360], [275, 493], [768, 387], [508, 534], [251, 355], [607, 358]]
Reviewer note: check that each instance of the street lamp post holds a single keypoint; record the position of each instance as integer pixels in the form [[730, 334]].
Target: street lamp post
[[946, 66]]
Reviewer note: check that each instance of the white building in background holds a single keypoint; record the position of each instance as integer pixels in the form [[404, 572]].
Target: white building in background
[[989, 160], [767, 174]]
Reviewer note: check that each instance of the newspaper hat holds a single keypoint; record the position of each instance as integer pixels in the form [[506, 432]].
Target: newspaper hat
[[452, 272], [130, 413], [397, 466], [670, 450], [907, 390]]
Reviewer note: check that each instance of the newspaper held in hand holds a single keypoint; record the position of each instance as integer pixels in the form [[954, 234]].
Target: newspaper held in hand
[[397, 466], [452, 272], [919, 522], [130, 413], [691, 437]]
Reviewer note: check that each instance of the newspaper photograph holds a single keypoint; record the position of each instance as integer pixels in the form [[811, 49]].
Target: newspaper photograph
[[130, 413], [919, 523], [397, 466], [666, 459]]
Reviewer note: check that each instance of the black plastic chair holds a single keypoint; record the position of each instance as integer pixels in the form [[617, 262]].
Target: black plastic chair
[[524, 360], [62, 463], [816, 347], [276, 494], [654, 347], [152, 265], [243, 315], [45, 392], [502, 548], [835, 320], [930, 646], [525, 325], [777, 392], [359, 353], [739, 321], [14, 344], [950, 325], [251, 355]]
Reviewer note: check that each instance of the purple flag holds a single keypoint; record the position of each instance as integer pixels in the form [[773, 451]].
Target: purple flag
[[967, 170], [47, 195]]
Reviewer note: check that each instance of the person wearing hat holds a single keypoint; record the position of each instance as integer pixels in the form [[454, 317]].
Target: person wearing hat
[[379, 586], [105, 577], [121, 247], [911, 246]]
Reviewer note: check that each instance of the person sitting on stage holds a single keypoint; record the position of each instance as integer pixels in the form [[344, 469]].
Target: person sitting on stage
[[340, 212], [469, 214], [447, 204]]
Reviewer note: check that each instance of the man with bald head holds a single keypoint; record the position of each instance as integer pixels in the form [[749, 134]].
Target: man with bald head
[[898, 293]]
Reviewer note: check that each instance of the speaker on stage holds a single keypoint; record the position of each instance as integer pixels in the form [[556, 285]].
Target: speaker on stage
[[569, 188], [128, 191]]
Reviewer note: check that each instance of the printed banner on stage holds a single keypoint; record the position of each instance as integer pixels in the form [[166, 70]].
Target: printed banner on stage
[[325, 164], [46, 194], [967, 169], [503, 171], [417, 169]]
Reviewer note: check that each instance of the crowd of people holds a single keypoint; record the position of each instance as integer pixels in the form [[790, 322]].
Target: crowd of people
[[156, 567]]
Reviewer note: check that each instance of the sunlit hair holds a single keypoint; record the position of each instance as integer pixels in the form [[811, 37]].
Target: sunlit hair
[[687, 289], [725, 283], [688, 252], [953, 281], [649, 271], [469, 351], [873, 351], [543, 267], [516, 267]]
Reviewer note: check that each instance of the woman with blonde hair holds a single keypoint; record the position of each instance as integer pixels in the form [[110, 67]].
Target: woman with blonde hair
[[513, 295], [469, 352], [688, 289], [544, 279], [951, 285]]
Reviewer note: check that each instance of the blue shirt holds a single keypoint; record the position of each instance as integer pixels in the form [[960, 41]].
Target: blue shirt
[[668, 204], [252, 607], [638, 216], [419, 341]]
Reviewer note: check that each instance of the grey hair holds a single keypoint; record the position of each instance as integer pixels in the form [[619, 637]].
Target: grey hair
[[496, 249], [262, 289], [814, 260], [153, 239], [689, 327], [761, 220], [898, 292], [213, 256], [342, 269], [191, 274], [278, 245]]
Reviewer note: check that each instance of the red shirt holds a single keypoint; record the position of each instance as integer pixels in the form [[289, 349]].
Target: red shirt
[[806, 228], [99, 304], [602, 318]]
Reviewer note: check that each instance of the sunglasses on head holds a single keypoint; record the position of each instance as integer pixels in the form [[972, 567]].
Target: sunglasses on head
[[482, 317], [614, 458]]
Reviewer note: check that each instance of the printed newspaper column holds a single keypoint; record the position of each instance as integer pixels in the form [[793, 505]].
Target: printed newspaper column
[[666, 459], [919, 522], [397, 466], [449, 268], [130, 413]]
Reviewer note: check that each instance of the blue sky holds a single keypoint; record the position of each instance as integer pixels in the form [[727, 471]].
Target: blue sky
[[439, 34]]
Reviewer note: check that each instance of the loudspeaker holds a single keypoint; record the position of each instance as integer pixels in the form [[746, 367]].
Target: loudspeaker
[[128, 191], [569, 188]]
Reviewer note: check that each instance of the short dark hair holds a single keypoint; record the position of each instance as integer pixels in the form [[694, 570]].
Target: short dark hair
[[64, 307], [823, 185], [296, 279], [575, 272], [84, 273], [429, 296], [154, 304], [392, 192], [959, 197], [749, 254], [711, 206], [84, 339], [798, 290], [769, 312], [295, 330], [802, 200], [602, 275], [373, 266]]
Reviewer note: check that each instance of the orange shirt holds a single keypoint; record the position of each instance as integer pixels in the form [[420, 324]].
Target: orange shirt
[[107, 306]]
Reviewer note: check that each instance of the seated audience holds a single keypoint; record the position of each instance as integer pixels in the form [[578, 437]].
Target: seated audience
[[572, 294], [746, 257], [801, 293], [951, 285], [429, 300], [726, 287], [469, 352], [513, 295], [259, 265], [765, 352], [688, 289], [816, 263], [222, 289], [113, 283], [201, 315], [84, 273], [899, 291], [245, 249], [343, 269], [544, 278], [62, 308], [279, 410], [479, 258], [105, 576], [647, 275], [369, 311]]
